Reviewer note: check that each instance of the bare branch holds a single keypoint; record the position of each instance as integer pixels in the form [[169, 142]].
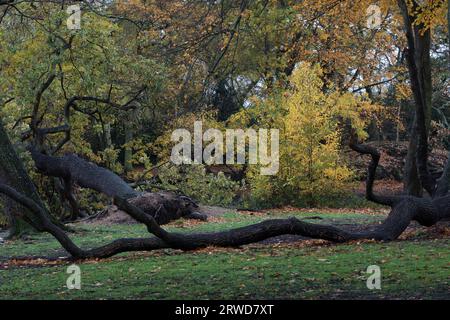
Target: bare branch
[[37, 100]]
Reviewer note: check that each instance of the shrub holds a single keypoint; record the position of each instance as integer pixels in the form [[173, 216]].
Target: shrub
[[193, 181]]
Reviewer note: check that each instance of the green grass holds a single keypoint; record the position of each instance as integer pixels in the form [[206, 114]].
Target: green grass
[[409, 268]]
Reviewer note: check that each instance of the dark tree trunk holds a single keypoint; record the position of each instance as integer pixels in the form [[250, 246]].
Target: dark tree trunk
[[13, 173], [419, 65], [84, 173], [411, 181]]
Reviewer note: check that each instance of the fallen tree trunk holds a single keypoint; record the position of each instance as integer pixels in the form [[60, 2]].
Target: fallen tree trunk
[[84, 173], [394, 225], [154, 209], [405, 209], [163, 206]]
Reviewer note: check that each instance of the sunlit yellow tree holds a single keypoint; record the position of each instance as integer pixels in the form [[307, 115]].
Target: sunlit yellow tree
[[312, 123]]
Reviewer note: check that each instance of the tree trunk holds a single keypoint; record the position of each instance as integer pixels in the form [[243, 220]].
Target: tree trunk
[[163, 206], [419, 66], [13, 173], [411, 181]]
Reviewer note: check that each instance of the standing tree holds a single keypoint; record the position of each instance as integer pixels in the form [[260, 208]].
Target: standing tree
[[418, 59]]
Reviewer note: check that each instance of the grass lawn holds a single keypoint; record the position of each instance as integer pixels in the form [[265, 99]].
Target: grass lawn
[[416, 266]]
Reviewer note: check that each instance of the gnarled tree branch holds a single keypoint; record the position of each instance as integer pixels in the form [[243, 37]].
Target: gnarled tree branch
[[371, 172]]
